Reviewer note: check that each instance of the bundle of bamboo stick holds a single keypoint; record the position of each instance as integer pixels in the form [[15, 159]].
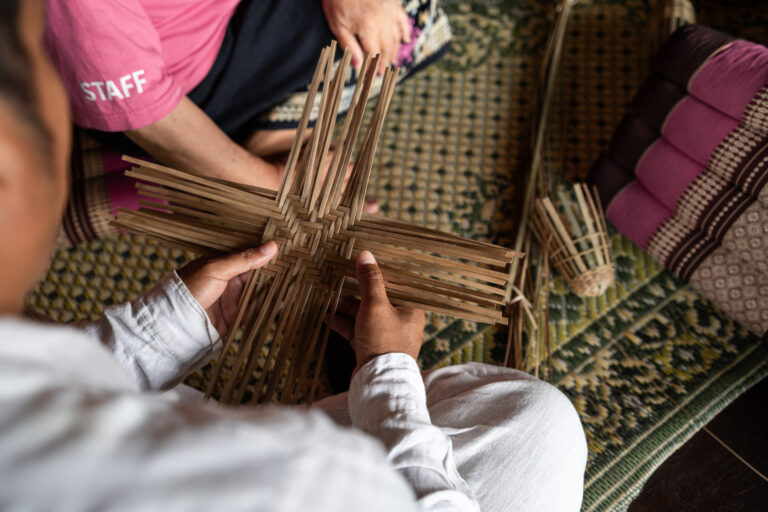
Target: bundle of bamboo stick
[[528, 311], [577, 238], [319, 227]]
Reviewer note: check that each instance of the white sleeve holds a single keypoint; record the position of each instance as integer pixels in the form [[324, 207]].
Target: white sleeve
[[160, 337], [387, 399], [66, 448]]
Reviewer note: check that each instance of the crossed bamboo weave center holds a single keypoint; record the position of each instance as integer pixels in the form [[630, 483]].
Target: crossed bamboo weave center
[[318, 223]]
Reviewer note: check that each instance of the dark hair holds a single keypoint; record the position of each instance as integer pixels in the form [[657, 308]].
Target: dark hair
[[17, 88]]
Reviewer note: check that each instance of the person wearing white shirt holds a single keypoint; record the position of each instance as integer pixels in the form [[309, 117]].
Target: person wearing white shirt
[[92, 417]]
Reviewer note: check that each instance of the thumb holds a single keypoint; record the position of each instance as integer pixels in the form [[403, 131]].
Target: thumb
[[348, 40], [230, 266], [371, 281]]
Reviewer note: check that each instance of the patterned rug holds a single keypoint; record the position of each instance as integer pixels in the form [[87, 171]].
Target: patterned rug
[[651, 363], [640, 363]]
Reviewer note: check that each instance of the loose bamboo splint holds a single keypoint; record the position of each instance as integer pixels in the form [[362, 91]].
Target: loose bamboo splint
[[319, 227], [530, 307]]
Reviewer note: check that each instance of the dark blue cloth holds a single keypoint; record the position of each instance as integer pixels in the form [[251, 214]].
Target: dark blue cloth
[[270, 51]]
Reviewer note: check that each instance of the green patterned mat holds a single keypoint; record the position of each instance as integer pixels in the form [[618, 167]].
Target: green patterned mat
[[448, 159]]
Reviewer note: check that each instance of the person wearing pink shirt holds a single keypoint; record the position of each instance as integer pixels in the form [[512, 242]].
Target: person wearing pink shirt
[[216, 86], [92, 418]]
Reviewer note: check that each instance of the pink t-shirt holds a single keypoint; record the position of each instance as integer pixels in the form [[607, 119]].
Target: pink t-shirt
[[128, 63]]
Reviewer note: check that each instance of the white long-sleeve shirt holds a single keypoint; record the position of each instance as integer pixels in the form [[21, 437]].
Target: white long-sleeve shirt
[[85, 425]]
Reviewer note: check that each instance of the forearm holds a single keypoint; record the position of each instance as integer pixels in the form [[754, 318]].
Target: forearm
[[188, 139], [387, 400]]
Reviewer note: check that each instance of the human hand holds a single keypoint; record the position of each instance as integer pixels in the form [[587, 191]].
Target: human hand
[[377, 26], [373, 325], [218, 283]]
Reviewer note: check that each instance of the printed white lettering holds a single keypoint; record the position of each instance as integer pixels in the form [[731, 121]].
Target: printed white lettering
[[139, 81], [99, 86], [127, 86], [89, 94], [113, 91]]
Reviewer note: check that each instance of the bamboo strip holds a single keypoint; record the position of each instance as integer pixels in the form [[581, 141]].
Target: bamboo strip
[[584, 260], [293, 156], [385, 97], [582, 240], [513, 356], [282, 342], [244, 302], [428, 271], [425, 286], [549, 71], [289, 290], [436, 305], [356, 124], [588, 214], [322, 114], [332, 187], [488, 275], [256, 194], [304, 351], [382, 224], [324, 344], [256, 337], [168, 196], [320, 227], [414, 243], [337, 90]]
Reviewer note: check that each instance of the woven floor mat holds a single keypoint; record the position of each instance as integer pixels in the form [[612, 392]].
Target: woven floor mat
[[448, 158]]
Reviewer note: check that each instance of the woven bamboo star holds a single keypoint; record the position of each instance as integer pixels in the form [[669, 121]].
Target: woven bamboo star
[[319, 226]]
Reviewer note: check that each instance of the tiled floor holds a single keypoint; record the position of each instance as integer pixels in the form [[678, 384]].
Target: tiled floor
[[703, 476]]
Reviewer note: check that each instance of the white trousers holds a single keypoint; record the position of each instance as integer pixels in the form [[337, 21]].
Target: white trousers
[[517, 441]]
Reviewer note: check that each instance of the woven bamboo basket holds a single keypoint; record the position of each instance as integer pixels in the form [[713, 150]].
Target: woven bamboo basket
[[319, 226], [575, 233]]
